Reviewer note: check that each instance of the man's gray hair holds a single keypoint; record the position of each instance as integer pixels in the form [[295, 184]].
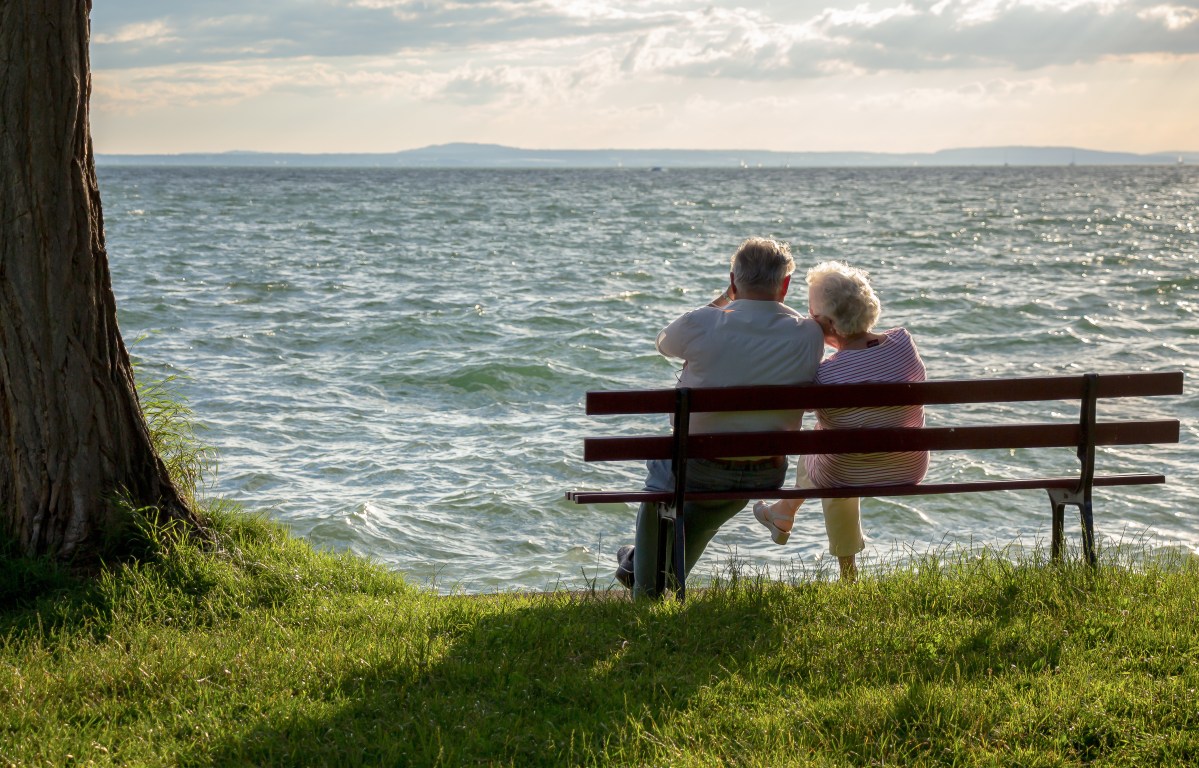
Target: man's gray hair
[[847, 298], [761, 265]]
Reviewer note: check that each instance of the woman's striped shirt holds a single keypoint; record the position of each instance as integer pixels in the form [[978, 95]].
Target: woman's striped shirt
[[894, 359]]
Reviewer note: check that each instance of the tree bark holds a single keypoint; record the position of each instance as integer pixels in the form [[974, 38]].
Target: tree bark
[[72, 433]]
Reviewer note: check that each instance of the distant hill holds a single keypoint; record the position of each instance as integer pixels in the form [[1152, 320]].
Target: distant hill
[[497, 156]]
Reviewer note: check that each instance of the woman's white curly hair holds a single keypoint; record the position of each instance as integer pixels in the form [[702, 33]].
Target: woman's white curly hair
[[845, 296]]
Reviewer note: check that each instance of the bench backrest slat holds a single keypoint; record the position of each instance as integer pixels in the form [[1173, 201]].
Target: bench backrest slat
[[945, 392], [880, 440]]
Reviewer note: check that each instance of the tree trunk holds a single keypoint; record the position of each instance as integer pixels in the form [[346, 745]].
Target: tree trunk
[[72, 434]]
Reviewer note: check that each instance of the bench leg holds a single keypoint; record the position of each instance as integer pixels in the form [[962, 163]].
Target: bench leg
[[1088, 531], [1058, 499], [1059, 529], [680, 558], [664, 538], [671, 563]]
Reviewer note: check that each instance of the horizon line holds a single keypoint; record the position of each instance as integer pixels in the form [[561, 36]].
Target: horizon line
[[495, 146]]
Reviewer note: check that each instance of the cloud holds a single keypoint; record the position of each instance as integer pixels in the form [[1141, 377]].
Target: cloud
[[921, 35], [1175, 17], [472, 86], [155, 32], [728, 40], [222, 30], [1022, 35], [506, 52], [205, 84], [979, 94]]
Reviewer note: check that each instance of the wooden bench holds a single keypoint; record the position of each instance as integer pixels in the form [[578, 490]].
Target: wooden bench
[[1083, 436]]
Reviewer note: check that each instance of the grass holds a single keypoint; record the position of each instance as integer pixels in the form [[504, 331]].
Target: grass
[[173, 432], [254, 649], [265, 652]]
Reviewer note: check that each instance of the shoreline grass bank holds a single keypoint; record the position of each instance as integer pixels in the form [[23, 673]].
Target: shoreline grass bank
[[266, 652]]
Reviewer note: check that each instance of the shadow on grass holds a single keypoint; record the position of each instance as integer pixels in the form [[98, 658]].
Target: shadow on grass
[[867, 673], [40, 595], [550, 680], [568, 680]]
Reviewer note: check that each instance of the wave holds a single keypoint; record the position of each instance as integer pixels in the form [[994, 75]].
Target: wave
[[405, 368]]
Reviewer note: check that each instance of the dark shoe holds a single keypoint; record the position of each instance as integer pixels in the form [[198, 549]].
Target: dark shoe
[[624, 566]]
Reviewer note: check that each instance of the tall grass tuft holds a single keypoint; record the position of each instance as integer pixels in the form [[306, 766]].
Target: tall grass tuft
[[173, 432], [141, 532]]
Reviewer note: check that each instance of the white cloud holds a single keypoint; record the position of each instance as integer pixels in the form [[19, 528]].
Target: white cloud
[[685, 38], [862, 16], [594, 68], [153, 32], [499, 52], [1175, 17], [971, 95], [209, 84]]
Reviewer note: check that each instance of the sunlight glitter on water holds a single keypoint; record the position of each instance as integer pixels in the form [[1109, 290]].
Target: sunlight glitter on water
[[393, 362]]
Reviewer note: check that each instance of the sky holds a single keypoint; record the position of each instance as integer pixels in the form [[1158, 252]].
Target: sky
[[175, 76]]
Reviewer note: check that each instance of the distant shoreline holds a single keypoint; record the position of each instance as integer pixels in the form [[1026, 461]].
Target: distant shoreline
[[485, 156]]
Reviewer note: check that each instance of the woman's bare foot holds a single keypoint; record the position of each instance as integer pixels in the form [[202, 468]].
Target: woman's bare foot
[[849, 568]]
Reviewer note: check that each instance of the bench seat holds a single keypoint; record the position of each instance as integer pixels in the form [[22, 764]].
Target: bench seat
[[867, 491]]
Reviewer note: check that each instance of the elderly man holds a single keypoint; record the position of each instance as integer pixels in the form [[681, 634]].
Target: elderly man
[[746, 336]]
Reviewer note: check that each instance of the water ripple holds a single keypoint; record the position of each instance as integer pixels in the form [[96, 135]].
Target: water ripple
[[393, 362]]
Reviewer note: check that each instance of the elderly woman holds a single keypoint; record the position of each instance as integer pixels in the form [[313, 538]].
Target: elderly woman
[[841, 300]]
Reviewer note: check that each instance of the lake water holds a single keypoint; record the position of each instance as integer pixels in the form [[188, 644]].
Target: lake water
[[393, 362]]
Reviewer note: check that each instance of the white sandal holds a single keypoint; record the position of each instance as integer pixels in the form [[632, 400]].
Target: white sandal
[[769, 518]]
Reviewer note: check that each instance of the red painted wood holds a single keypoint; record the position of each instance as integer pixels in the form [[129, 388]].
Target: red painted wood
[[945, 392], [1060, 435], [731, 444], [928, 489]]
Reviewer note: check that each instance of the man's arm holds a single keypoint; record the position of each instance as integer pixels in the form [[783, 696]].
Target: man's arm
[[676, 337]]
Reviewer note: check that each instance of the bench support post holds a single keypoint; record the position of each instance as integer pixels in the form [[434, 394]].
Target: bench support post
[[1058, 526], [682, 430], [666, 517], [1059, 498], [1080, 496]]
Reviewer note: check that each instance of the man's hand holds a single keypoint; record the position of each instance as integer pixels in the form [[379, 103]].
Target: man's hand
[[729, 295]]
